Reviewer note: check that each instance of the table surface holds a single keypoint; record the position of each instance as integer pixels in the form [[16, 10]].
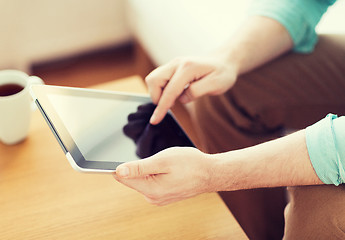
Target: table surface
[[42, 197]]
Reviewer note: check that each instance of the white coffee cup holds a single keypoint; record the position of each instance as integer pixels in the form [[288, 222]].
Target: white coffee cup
[[16, 105]]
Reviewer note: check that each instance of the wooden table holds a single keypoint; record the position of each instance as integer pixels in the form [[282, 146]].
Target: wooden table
[[42, 197]]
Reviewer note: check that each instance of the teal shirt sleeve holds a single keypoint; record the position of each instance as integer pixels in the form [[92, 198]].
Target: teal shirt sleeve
[[326, 147], [299, 17]]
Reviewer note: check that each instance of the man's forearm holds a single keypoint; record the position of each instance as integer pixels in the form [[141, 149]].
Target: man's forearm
[[259, 40], [282, 162]]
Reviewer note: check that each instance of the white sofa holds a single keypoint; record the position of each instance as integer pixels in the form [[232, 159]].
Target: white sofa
[[166, 29]]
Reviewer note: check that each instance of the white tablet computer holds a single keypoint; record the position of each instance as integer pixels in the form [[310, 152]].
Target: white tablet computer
[[98, 130]]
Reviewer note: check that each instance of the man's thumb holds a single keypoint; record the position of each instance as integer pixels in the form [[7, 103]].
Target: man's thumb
[[137, 169]]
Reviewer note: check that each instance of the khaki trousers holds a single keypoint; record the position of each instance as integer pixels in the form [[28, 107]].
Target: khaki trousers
[[286, 94]]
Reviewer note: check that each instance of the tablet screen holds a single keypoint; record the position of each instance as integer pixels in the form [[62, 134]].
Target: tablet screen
[[102, 129], [96, 125]]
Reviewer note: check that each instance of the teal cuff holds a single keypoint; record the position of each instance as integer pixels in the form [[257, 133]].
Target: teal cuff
[[324, 140]]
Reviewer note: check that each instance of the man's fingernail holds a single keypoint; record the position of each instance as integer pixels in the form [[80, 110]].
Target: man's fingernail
[[153, 119], [122, 171]]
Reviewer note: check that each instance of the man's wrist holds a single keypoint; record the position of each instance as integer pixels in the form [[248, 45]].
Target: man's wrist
[[223, 172], [210, 174]]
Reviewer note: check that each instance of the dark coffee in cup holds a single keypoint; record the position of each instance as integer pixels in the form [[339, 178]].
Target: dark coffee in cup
[[10, 89]]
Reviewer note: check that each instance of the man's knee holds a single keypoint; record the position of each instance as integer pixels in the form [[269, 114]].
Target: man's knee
[[315, 212]]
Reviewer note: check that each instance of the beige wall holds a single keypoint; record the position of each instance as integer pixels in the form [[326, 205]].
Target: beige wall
[[38, 30]]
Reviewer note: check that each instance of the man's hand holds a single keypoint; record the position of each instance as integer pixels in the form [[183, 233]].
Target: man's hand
[[181, 172], [187, 79], [257, 41], [169, 176]]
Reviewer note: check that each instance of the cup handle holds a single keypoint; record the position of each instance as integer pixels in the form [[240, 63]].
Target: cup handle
[[34, 80]]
